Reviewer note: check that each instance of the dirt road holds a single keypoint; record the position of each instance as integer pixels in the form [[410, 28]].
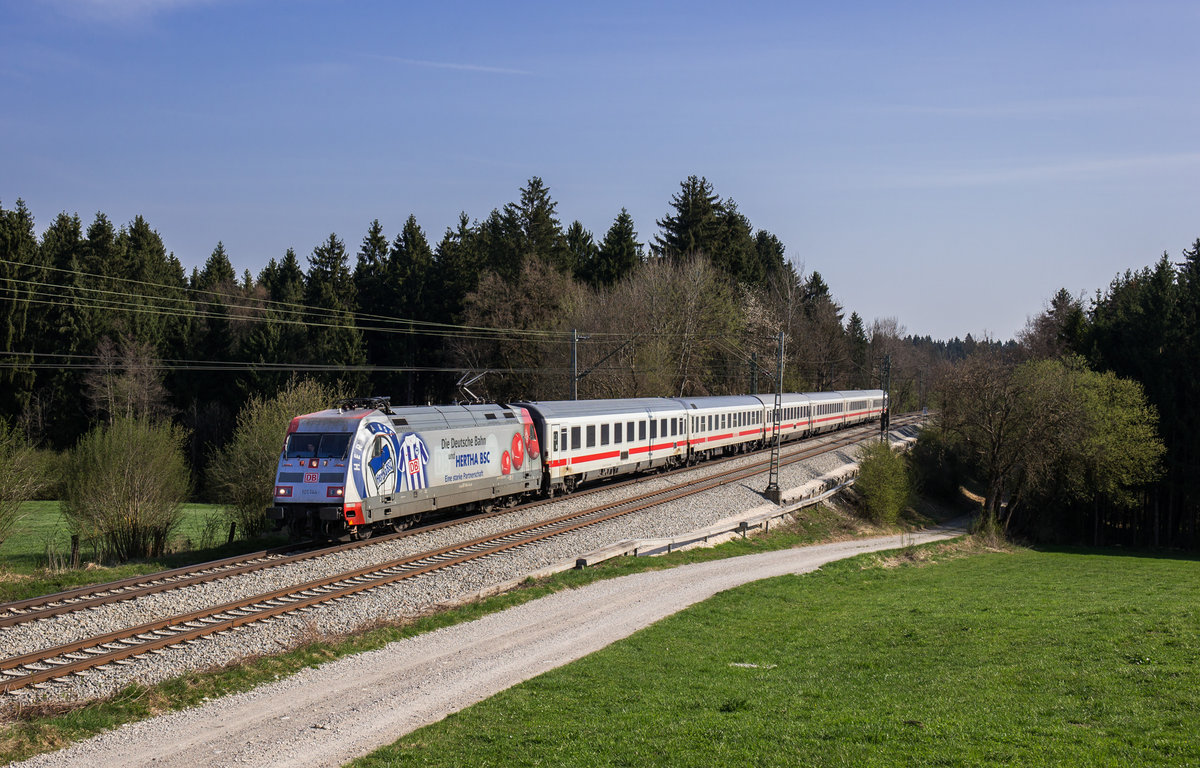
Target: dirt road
[[345, 709]]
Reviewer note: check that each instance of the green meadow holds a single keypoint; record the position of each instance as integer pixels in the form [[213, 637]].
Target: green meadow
[[1008, 658], [35, 558]]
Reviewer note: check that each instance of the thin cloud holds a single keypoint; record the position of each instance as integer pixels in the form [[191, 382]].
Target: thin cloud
[[121, 11], [461, 67], [1039, 108], [1063, 171]]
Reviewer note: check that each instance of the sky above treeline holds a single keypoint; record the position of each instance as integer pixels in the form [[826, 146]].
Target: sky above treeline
[[947, 164]]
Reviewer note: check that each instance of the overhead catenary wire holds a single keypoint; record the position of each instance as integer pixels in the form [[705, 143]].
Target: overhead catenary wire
[[180, 301], [249, 309], [258, 304]]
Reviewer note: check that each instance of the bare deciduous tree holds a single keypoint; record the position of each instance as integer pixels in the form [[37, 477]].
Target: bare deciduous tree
[[127, 382], [20, 477]]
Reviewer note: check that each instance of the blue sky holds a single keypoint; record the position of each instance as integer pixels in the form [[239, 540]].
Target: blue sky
[[947, 164]]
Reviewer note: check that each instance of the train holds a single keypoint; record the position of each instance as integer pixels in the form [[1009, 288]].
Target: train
[[365, 466]]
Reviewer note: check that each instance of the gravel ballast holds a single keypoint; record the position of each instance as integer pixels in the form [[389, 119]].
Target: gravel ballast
[[342, 710], [397, 601]]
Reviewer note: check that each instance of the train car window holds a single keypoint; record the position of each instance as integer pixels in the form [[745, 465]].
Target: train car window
[[591, 436], [641, 430], [618, 431], [653, 428], [662, 427], [629, 432], [556, 441], [603, 434], [564, 438], [576, 434]]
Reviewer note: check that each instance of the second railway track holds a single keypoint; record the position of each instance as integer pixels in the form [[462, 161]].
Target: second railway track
[[78, 656]]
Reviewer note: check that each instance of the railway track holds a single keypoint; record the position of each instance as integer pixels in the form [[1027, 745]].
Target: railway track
[[92, 596], [39, 667]]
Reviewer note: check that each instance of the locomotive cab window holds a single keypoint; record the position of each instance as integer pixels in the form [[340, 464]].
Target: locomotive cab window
[[312, 445]]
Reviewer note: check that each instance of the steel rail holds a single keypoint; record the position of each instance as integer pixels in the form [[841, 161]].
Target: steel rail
[[80, 598], [48, 664]]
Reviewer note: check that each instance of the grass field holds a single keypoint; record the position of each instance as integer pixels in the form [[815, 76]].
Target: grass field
[[34, 557], [1025, 658], [33, 729]]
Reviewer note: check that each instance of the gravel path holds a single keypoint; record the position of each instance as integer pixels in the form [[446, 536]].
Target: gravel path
[[344, 709], [388, 603]]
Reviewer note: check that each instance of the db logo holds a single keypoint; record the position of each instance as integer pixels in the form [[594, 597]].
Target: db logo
[[414, 466], [310, 477]]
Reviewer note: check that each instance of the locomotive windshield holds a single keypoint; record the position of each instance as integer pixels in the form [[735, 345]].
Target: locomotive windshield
[[314, 445]]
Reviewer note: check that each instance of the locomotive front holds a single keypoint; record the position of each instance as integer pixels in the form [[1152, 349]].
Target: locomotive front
[[320, 481]]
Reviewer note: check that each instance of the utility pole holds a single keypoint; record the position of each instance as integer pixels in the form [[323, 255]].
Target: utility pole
[[772, 492], [574, 364], [885, 380]]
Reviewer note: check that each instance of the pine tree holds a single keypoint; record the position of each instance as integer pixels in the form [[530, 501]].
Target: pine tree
[[21, 273], [410, 273], [459, 260], [102, 261], [856, 338], [769, 251], [538, 230], [334, 339], [619, 254], [584, 252], [369, 274], [280, 339], [695, 227], [58, 413], [735, 251], [376, 296], [146, 262]]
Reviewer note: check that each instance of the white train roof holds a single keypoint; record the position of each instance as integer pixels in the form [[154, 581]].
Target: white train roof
[[566, 409], [727, 401], [419, 417]]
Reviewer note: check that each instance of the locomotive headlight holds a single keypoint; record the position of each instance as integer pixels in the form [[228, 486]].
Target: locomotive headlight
[[336, 491], [283, 490]]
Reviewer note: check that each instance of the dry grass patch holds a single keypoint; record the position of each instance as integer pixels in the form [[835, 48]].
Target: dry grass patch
[[940, 552]]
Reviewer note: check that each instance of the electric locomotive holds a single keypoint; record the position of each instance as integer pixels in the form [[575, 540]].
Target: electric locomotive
[[348, 471]]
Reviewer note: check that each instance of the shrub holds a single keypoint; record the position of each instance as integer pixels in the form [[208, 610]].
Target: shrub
[[125, 485], [242, 474], [936, 466], [20, 476], [882, 482], [52, 467]]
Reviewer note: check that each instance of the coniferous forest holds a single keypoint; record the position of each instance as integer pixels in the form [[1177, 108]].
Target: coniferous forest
[[101, 321]]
